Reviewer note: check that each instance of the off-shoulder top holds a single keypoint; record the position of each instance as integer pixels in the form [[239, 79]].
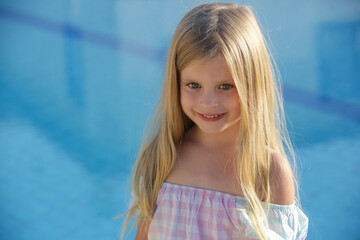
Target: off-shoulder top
[[185, 212]]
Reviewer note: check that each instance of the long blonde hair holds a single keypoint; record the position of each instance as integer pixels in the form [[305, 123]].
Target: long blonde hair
[[204, 32]]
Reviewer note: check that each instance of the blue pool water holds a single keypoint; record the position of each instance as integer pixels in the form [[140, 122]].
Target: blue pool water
[[78, 80]]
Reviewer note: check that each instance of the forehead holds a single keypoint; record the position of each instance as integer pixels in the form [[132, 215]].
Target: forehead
[[214, 68]]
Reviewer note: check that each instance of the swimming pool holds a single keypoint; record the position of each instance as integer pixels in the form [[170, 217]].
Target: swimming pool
[[79, 80]]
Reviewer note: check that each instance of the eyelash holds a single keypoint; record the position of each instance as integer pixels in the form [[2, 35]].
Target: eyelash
[[229, 86]]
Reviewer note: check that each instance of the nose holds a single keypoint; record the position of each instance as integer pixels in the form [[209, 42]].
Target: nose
[[209, 98]]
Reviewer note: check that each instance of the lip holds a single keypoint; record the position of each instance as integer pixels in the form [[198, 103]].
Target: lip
[[213, 119]]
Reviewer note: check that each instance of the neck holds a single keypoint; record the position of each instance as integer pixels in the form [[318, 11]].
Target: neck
[[226, 138]]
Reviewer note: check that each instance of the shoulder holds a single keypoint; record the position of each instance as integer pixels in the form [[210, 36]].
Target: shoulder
[[281, 180]]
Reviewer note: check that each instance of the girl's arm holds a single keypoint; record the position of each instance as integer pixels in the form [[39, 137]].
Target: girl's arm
[[141, 234]]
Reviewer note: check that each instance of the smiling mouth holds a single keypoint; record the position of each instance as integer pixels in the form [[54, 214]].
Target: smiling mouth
[[211, 116]]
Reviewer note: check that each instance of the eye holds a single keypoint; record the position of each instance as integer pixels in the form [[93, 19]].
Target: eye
[[225, 86], [194, 85]]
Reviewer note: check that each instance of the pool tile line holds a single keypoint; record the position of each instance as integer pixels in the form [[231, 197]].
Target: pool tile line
[[322, 103], [299, 96], [99, 39]]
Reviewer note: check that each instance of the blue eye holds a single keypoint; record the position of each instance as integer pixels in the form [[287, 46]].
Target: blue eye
[[226, 86], [193, 85]]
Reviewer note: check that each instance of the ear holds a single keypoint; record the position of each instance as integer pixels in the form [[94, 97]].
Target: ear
[[281, 180]]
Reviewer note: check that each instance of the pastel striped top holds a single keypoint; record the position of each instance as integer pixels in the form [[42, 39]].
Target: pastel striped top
[[184, 212]]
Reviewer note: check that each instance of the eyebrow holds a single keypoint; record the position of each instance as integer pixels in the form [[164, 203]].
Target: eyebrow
[[221, 81]]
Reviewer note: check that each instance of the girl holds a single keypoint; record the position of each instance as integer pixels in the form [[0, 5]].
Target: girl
[[214, 165]]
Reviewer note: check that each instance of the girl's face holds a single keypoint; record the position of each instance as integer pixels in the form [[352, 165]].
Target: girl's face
[[209, 97]]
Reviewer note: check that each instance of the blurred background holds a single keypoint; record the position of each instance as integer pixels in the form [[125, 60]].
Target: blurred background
[[78, 80]]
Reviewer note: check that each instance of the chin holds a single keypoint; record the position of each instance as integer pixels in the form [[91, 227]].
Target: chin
[[210, 130]]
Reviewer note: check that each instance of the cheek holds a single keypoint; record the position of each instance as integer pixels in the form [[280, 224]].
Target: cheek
[[187, 99], [233, 103], [184, 101]]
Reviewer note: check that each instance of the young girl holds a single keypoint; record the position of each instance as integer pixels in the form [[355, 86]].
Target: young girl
[[214, 164]]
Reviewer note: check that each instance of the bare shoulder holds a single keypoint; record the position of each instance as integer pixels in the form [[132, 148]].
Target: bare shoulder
[[281, 180]]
